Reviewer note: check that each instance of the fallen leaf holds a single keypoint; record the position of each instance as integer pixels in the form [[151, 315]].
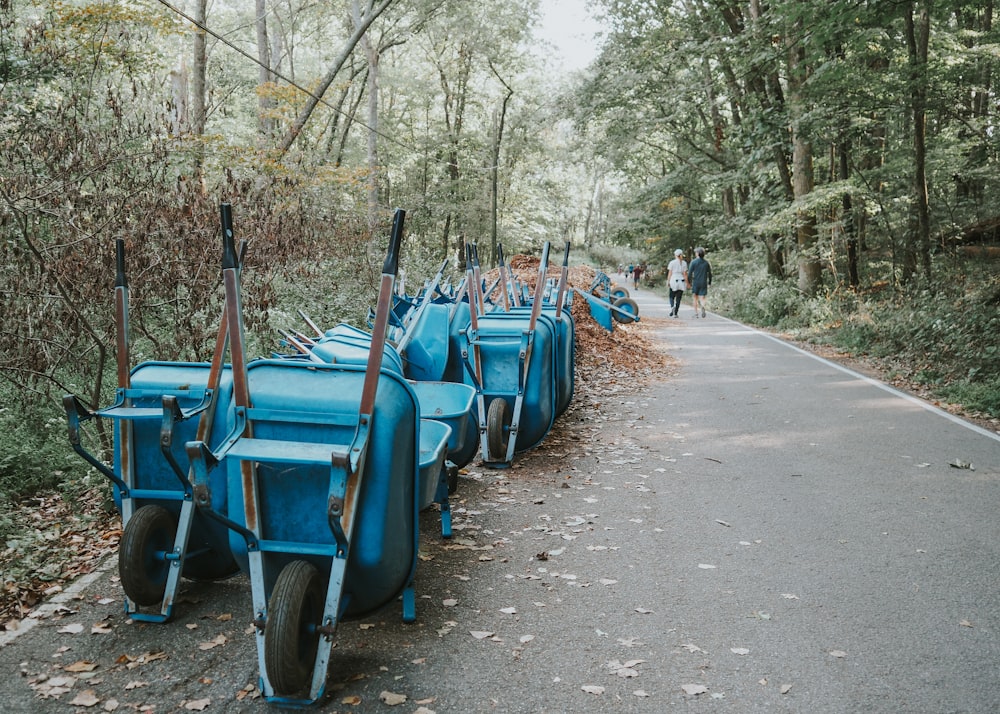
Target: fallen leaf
[[450, 602], [391, 698], [81, 666], [789, 596], [694, 689], [198, 705], [218, 640], [424, 710], [786, 688], [352, 700], [607, 581], [592, 689], [480, 634], [86, 698], [101, 628], [722, 523], [524, 639], [965, 623], [639, 693], [72, 629], [706, 566], [838, 653], [739, 650], [110, 705], [508, 610], [643, 611], [692, 648]]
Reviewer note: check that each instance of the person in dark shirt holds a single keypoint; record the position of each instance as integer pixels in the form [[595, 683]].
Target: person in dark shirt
[[700, 276]]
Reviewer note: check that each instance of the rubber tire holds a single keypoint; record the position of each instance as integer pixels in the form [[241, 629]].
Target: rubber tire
[[619, 291], [295, 611], [628, 305], [150, 531], [497, 421]]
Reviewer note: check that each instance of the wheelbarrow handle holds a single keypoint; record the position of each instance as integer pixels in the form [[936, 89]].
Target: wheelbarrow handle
[[120, 281], [229, 257], [391, 265]]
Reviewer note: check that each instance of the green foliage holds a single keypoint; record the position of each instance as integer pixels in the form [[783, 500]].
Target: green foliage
[[34, 450]]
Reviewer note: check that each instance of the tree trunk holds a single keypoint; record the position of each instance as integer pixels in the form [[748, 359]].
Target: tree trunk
[[917, 40], [374, 170], [810, 267], [495, 171], [317, 96], [265, 105], [199, 63]]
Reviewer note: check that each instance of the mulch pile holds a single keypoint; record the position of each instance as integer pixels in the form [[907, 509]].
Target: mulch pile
[[66, 537]]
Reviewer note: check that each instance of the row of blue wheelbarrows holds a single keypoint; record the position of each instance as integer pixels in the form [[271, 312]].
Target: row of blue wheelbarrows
[[307, 471]]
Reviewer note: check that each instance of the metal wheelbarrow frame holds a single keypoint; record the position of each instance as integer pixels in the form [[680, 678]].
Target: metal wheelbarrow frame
[[163, 535], [300, 581]]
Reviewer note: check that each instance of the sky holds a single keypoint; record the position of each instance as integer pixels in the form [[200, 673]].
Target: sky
[[568, 25]]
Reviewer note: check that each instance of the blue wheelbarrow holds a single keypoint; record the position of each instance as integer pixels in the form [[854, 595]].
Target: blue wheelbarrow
[[511, 361], [322, 463], [159, 406]]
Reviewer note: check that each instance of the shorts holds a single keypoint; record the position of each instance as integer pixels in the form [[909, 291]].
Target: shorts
[[700, 290]]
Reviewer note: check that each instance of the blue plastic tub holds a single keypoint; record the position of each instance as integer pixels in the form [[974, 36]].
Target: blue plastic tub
[[433, 450], [451, 403], [311, 402], [345, 344], [500, 338], [154, 481]]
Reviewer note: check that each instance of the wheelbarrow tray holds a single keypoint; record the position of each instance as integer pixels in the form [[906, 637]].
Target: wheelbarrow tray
[[293, 519], [434, 437], [345, 344], [154, 482], [565, 330], [425, 357], [451, 403], [499, 337]]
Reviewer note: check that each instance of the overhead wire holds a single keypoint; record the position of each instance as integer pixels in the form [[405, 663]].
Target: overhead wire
[[209, 31]]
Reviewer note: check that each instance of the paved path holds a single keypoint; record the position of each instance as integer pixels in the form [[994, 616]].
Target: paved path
[[763, 531], [846, 521]]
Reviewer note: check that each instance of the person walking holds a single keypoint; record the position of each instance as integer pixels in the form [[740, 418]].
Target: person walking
[[677, 280], [700, 276], [637, 274]]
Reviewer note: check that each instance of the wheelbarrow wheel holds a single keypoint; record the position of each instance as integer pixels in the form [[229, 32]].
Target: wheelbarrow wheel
[[625, 305], [497, 425], [148, 536], [291, 635], [618, 292]]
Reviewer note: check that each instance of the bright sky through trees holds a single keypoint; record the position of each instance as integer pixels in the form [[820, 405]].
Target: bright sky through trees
[[569, 26]]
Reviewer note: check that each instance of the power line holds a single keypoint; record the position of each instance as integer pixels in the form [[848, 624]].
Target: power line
[[207, 30]]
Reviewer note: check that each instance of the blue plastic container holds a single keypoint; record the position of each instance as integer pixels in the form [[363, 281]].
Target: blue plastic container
[[310, 402], [345, 344], [500, 339], [451, 403], [154, 481], [433, 450]]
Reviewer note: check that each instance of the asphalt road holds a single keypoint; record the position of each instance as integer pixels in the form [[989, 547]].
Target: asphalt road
[[761, 531]]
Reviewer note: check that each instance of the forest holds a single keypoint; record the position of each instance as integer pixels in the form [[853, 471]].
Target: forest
[[838, 159]]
